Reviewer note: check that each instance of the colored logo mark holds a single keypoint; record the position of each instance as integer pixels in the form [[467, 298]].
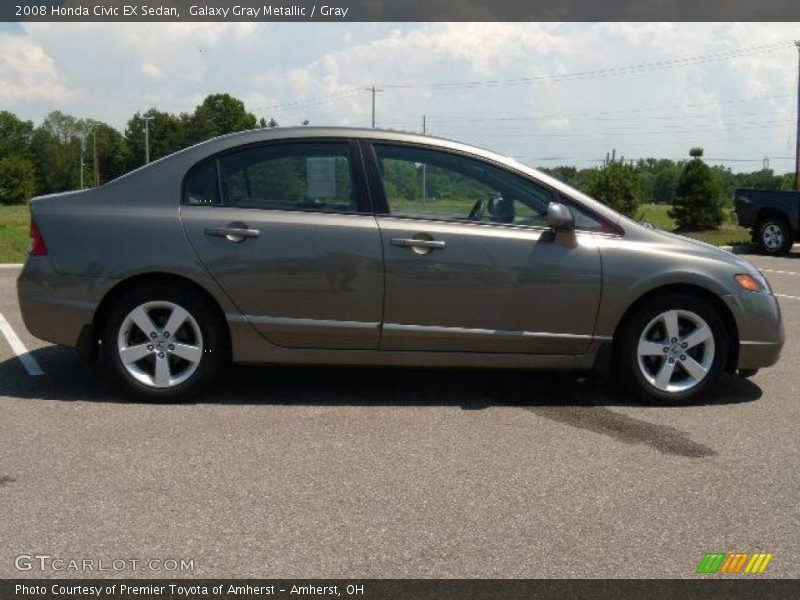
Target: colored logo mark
[[734, 562]]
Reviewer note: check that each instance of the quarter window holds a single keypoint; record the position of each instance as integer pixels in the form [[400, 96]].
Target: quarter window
[[202, 186]]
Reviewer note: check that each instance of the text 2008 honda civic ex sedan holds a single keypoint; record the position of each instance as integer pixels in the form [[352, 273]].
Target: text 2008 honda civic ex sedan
[[367, 247]]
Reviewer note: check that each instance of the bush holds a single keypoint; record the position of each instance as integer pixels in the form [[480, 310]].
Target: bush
[[17, 180], [697, 203], [617, 186]]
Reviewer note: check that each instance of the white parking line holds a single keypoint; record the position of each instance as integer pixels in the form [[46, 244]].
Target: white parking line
[[25, 357], [780, 272], [785, 296], [10, 266]]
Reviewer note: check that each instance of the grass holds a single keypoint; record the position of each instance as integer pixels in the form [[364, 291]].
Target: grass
[[728, 234], [14, 224]]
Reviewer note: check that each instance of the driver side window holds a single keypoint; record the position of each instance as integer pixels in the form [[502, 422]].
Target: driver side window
[[427, 184]]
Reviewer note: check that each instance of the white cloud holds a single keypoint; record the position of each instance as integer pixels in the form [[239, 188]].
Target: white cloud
[[286, 71], [152, 70], [29, 74]]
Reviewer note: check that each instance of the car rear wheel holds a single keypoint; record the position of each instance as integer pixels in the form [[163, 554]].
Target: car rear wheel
[[775, 235], [672, 348], [163, 342]]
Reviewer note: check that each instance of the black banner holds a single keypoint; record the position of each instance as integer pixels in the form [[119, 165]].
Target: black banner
[[400, 589], [397, 11]]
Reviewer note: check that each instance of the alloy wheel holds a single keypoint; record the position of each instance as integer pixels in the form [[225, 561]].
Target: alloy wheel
[[160, 344], [676, 351], [772, 236]]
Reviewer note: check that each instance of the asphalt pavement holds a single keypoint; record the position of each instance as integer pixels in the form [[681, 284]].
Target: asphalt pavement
[[322, 472]]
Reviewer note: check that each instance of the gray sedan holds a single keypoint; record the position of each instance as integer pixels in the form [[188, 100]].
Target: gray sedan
[[366, 247]]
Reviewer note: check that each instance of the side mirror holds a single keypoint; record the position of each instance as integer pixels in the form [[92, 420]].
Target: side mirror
[[559, 217]]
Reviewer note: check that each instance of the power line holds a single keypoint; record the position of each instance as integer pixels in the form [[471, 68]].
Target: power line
[[521, 128], [607, 133], [607, 72], [707, 159], [681, 117], [310, 101], [440, 118]]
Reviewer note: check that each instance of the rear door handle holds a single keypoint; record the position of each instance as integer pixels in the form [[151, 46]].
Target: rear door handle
[[233, 234], [415, 243]]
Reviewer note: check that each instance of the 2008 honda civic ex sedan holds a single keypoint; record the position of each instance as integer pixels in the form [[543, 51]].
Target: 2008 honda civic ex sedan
[[366, 247]]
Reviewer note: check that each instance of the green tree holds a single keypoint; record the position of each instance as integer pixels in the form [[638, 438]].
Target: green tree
[[17, 180], [726, 181], [698, 204], [567, 174], [788, 181], [63, 127], [765, 179], [217, 115], [617, 186], [167, 135], [112, 153], [15, 135], [56, 148], [665, 182]]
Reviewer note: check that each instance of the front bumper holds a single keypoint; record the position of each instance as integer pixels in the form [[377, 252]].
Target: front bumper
[[757, 355], [760, 326]]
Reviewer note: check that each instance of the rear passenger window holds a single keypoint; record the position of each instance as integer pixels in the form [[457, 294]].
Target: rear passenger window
[[309, 176], [202, 186]]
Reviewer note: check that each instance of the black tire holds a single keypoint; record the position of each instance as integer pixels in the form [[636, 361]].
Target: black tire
[[627, 353], [214, 341], [774, 236]]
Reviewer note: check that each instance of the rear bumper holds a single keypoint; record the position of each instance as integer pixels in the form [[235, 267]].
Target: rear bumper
[[55, 307]]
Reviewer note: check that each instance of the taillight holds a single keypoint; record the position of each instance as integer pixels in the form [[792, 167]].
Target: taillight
[[37, 246]]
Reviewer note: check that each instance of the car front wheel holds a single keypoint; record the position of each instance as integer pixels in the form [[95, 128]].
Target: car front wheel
[[163, 342], [672, 348]]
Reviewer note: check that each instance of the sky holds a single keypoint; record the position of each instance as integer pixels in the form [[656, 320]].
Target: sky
[[544, 93]]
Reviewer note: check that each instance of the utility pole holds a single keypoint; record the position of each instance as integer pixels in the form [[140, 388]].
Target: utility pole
[[374, 90], [82, 137], [147, 138], [96, 161], [797, 140], [424, 166]]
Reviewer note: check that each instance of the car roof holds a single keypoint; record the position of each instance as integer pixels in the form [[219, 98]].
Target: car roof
[[316, 132]]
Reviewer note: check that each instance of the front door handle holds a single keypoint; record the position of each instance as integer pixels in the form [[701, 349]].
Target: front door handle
[[233, 234], [415, 243]]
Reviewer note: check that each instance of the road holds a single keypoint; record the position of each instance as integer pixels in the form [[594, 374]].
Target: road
[[310, 472]]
